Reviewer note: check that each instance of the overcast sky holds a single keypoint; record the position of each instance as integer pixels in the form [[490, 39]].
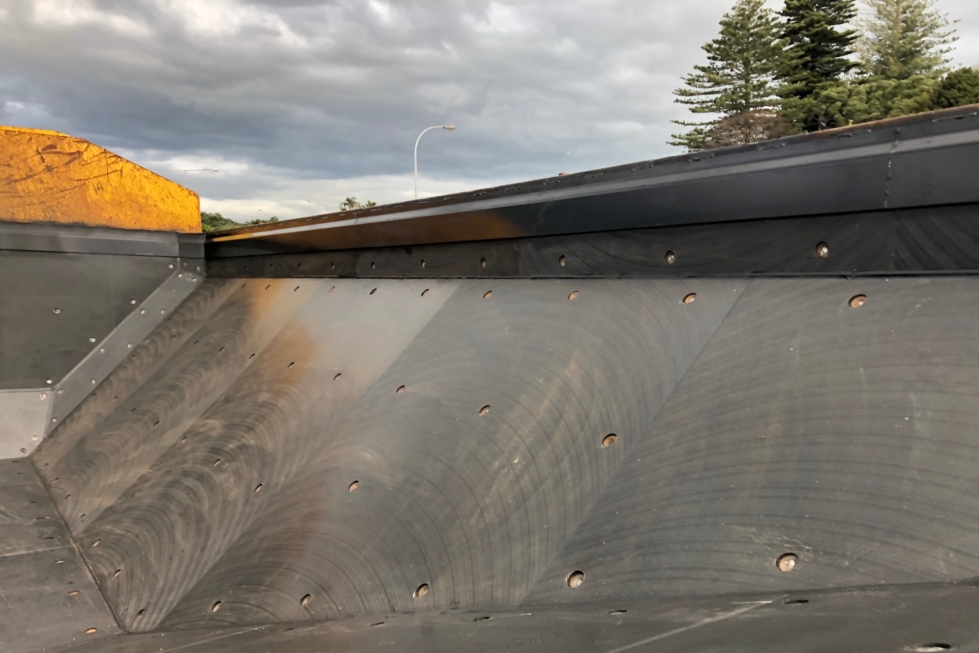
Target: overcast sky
[[300, 103]]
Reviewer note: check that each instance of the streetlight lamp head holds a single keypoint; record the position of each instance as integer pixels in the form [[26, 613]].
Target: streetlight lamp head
[[449, 127]]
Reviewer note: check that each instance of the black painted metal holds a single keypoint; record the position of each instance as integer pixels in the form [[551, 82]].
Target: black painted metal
[[54, 307], [913, 241], [47, 596], [16, 236], [919, 161], [905, 619]]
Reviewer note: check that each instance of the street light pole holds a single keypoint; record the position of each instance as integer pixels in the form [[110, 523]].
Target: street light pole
[[447, 128]]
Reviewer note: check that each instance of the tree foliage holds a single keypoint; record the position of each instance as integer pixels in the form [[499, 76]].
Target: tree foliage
[[217, 222], [959, 88], [351, 204], [818, 49], [901, 68], [737, 78], [904, 38]]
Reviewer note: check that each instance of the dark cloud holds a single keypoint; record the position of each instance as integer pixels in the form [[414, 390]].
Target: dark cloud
[[305, 90]]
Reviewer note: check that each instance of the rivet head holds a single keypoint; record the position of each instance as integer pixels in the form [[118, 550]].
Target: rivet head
[[132, 301], [562, 261], [91, 339], [216, 606], [787, 562], [48, 381], [690, 299], [61, 392], [43, 395], [91, 631], [129, 346], [57, 310], [858, 301], [304, 601], [94, 382], [423, 262], [424, 292], [576, 579], [482, 263], [487, 294], [353, 486], [400, 389], [608, 440], [822, 250], [171, 266], [102, 350], [573, 296], [931, 647], [484, 410], [670, 257], [33, 438], [142, 311], [73, 593], [421, 591]]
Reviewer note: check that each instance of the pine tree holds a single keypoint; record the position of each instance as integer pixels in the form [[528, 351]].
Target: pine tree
[[903, 38], [737, 79], [817, 55]]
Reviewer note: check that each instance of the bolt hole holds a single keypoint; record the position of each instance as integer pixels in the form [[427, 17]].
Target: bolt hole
[[332, 288], [857, 301], [373, 291], [117, 572], [95, 543], [562, 261], [933, 647], [482, 263], [421, 591], [258, 488], [797, 602], [73, 593], [608, 440], [487, 294], [576, 579], [337, 376], [423, 262], [787, 562], [690, 299], [424, 292], [573, 295], [140, 613], [400, 389], [822, 250], [295, 289], [251, 357], [619, 611], [217, 462], [268, 286], [353, 486], [216, 606], [486, 618], [304, 601], [379, 623], [484, 410], [91, 631], [292, 364]]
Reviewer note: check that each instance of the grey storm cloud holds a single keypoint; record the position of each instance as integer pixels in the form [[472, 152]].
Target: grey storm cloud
[[311, 90]]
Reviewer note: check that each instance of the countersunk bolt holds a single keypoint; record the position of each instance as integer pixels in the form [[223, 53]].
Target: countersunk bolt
[[787, 562]]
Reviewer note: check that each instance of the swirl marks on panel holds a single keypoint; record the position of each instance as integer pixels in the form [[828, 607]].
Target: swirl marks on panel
[[834, 430], [475, 453]]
